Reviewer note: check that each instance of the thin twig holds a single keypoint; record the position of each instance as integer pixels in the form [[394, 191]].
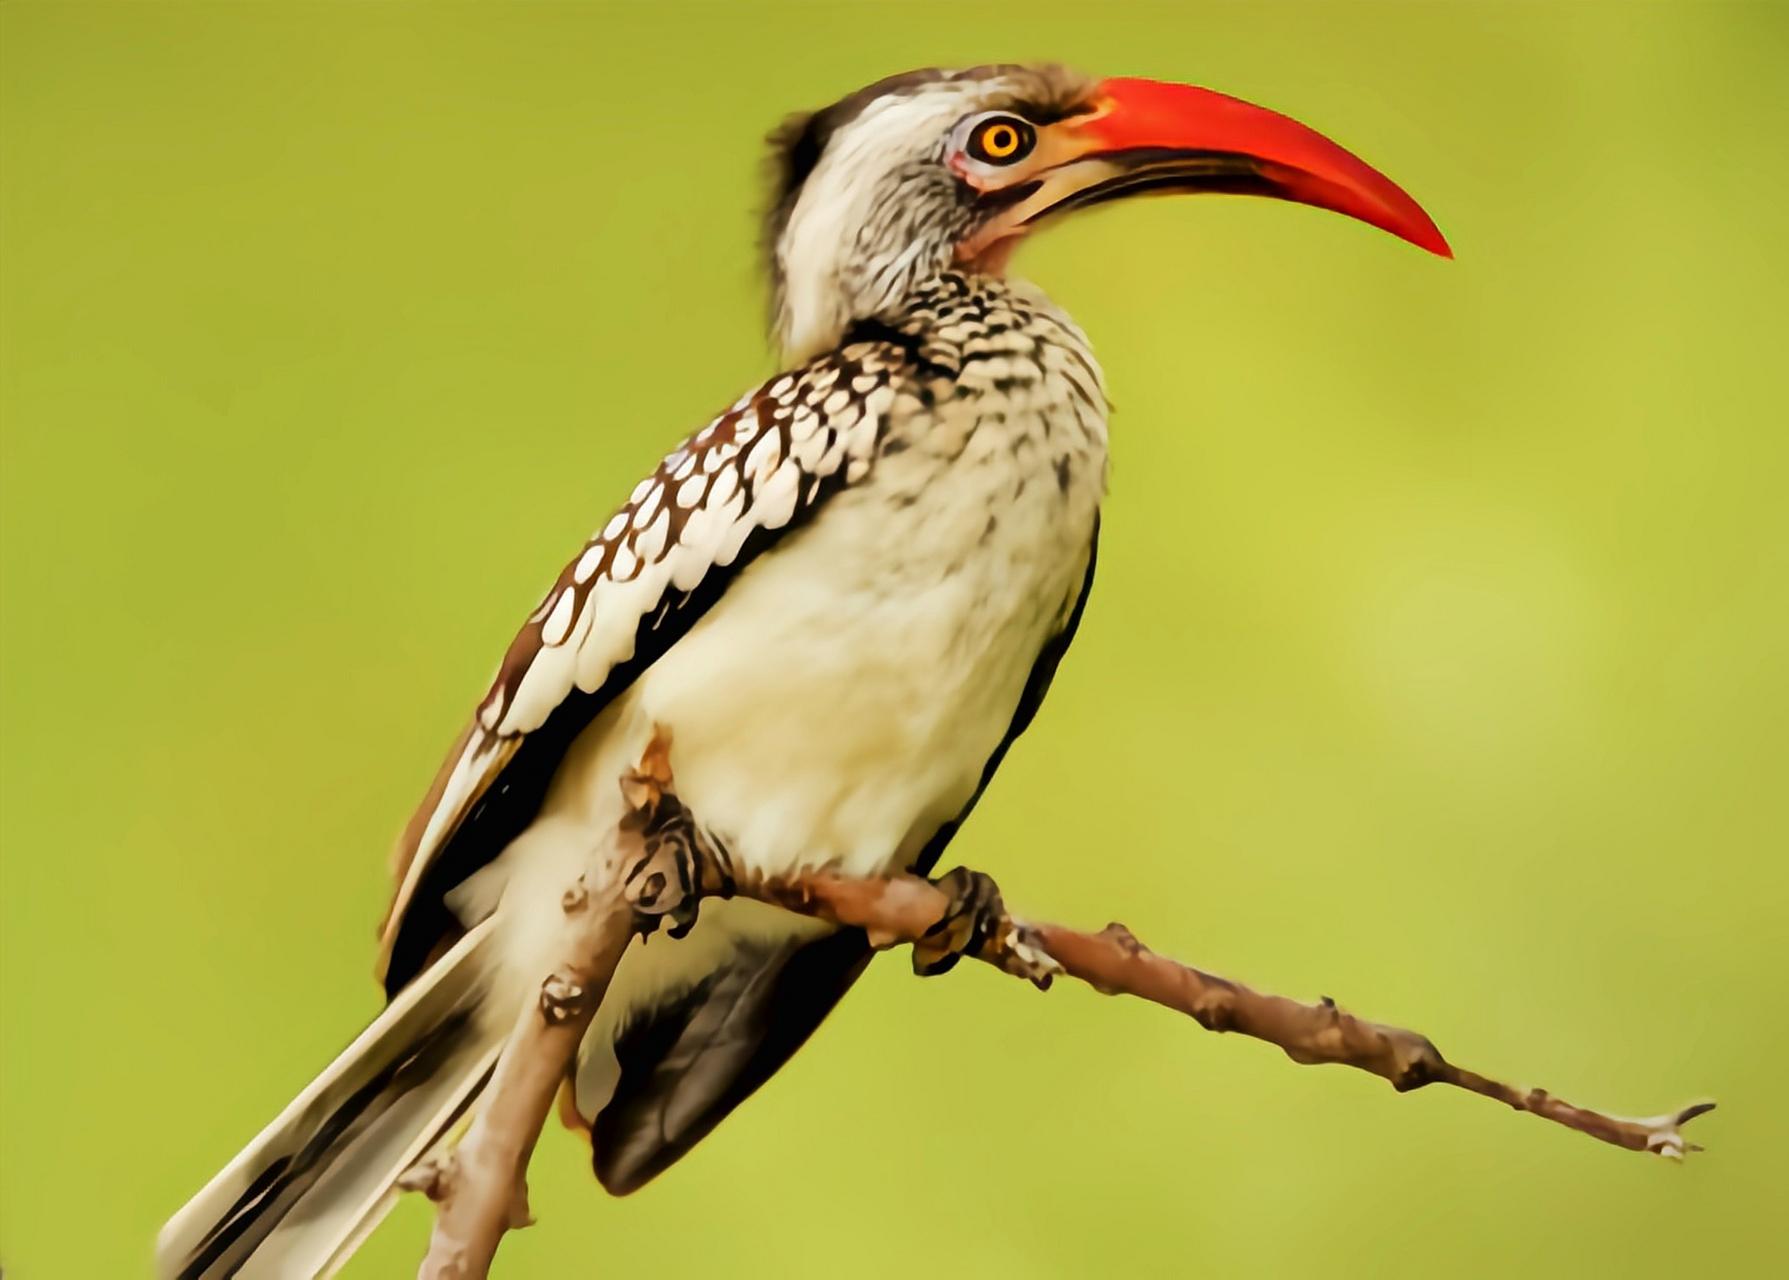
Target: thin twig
[[901, 909]]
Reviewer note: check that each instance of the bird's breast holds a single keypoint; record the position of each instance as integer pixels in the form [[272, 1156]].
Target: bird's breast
[[840, 702]]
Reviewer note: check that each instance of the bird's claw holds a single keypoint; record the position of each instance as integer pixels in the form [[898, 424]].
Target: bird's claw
[[1024, 958], [677, 863], [975, 916]]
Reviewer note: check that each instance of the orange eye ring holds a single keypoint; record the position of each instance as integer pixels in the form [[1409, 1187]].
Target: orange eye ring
[[1002, 140]]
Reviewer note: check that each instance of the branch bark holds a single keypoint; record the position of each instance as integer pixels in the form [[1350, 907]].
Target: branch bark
[[480, 1189], [901, 909]]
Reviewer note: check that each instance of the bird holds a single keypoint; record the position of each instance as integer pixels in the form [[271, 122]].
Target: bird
[[840, 602]]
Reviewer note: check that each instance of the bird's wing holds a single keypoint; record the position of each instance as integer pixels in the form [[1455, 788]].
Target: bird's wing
[[715, 503]]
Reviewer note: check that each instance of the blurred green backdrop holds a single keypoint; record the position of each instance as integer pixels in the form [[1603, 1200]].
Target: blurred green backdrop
[[1440, 654]]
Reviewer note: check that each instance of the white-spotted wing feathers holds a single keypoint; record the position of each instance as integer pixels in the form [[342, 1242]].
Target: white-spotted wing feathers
[[759, 468]]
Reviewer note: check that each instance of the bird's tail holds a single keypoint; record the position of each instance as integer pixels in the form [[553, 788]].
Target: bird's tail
[[304, 1194]]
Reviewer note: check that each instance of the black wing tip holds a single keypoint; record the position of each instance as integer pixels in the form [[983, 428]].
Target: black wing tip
[[688, 1063]]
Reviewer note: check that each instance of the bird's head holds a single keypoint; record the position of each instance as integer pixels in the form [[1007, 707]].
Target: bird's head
[[934, 170]]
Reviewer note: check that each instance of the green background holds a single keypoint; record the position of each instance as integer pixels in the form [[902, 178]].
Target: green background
[[1439, 660]]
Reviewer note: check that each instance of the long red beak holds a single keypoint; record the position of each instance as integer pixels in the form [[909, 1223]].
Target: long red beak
[[1147, 135]]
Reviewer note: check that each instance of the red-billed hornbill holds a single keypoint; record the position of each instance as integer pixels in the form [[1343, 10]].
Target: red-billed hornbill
[[840, 602]]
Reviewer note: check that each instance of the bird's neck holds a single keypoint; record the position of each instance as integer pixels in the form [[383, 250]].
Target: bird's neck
[[808, 326]]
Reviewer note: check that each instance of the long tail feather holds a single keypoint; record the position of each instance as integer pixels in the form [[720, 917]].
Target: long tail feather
[[300, 1197]]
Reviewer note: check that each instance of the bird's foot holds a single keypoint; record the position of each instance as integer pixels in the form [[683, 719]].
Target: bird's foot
[[675, 863], [679, 866], [976, 924], [975, 916]]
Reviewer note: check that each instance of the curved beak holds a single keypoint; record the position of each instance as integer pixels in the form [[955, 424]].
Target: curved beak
[[1148, 136]]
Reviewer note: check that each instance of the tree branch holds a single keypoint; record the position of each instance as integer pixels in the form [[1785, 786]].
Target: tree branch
[[480, 1189], [901, 909]]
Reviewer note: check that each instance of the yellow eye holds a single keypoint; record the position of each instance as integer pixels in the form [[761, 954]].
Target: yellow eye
[[1002, 140]]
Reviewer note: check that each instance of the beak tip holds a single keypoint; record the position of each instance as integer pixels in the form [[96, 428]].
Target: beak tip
[[1408, 221]]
